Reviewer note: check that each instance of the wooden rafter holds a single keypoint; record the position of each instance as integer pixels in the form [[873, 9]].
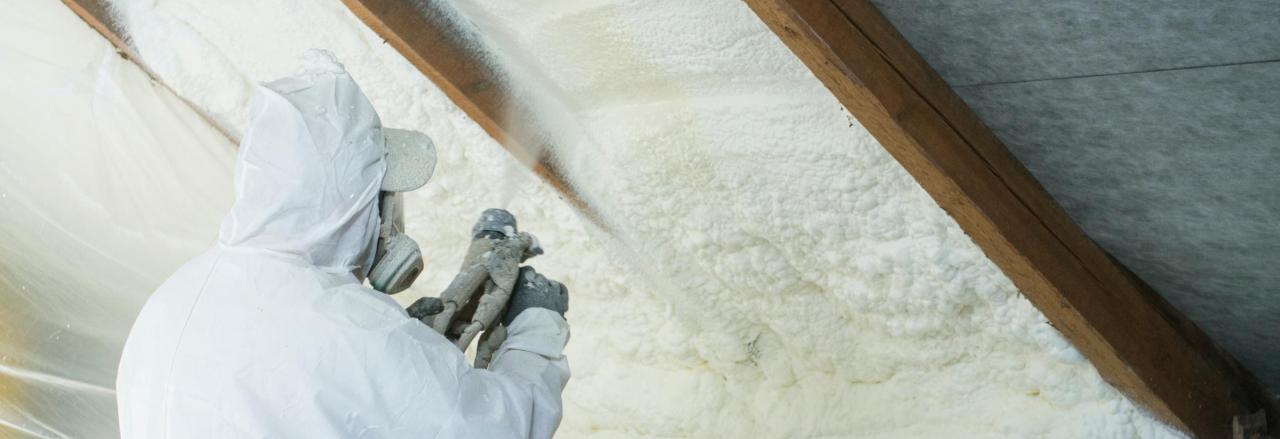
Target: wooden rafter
[[94, 12], [450, 55], [1139, 344], [97, 15]]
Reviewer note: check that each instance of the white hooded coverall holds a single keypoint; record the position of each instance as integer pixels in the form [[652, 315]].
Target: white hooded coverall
[[269, 334]]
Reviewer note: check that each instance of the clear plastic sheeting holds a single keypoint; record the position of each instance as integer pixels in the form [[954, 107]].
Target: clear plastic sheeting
[[108, 182]]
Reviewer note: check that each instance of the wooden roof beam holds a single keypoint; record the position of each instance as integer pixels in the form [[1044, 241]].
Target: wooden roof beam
[[1138, 343], [95, 13], [451, 55]]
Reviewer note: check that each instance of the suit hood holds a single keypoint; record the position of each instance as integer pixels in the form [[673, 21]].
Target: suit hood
[[309, 170]]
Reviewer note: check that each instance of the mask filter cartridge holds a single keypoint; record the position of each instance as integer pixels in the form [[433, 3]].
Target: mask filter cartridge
[[398, 260]]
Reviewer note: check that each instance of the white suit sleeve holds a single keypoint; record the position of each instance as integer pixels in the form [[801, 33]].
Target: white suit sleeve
[[532, 359], [519, 395]]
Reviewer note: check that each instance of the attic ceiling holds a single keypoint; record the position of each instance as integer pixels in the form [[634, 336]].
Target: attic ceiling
[[1156, 124]]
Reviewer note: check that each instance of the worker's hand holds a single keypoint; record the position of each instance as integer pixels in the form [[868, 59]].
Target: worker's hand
[[534, 290]]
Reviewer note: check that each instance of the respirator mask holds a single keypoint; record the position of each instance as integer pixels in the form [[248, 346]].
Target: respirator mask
[[397, 261]]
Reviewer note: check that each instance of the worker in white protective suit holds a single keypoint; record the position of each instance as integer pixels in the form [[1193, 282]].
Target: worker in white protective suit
[[271, 334]]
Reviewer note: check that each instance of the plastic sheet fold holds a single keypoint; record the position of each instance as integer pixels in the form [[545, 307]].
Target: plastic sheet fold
[[108, 182]]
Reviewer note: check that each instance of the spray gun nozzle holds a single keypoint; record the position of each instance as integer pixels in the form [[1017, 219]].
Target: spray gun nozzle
[[495, 224]]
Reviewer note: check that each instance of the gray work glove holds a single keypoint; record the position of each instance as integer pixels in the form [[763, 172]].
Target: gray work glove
[[533, 290]]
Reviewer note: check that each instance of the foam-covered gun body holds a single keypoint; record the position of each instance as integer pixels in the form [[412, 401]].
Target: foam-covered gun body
[[469, 283], [502, 263]]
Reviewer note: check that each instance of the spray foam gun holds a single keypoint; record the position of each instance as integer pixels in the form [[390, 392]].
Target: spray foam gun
[[477, 298]]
